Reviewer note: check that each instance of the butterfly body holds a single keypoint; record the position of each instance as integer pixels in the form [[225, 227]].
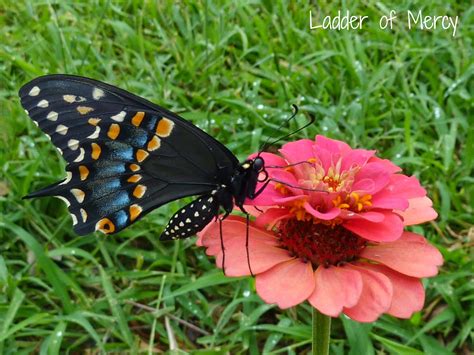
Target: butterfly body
[[127, 156]]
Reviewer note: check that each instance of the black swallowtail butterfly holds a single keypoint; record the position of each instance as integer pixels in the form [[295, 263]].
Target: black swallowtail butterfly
[[127, 156]]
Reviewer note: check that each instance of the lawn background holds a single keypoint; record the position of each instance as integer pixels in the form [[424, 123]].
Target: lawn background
[[234, 69]]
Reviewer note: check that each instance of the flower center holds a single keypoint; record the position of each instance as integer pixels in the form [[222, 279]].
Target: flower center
[[319, 243]]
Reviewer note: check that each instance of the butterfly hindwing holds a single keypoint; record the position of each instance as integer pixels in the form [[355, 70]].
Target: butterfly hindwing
[[125, 155]]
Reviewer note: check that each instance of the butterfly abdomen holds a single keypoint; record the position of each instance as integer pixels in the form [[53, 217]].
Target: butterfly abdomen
[[192, 218]]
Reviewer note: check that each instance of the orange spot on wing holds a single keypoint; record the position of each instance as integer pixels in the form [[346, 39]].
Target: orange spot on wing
[[134, 167], [134, 178], [96, 150], [83, 172], [164, 127], [141, 155], [135, 211], [139, 191], [154, 144], [105, 225], [138, 118], [114, 131]]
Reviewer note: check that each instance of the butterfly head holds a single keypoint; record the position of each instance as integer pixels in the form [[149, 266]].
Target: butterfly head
[[256, 167]]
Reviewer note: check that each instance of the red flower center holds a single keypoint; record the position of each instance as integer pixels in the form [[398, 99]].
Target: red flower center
[[319, 243]]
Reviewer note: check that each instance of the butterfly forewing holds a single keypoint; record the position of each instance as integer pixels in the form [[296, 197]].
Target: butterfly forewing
[[125, 155]]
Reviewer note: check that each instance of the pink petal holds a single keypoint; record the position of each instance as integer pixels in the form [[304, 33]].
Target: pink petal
[[397, 192], [408, 293], [287, 179], [391, 228], [232, 227], [286, 284], [326, 215], [266, 198], [387, 200], [419, 211], [371, 178], [263, 247], [336, 288], [325, 158], [252, 210], [331, 145], [371, 216], [389, 166], [375, 298], [411, 255], [262, 256], [356, 157], [300, 150], [271, 216], [287, 200]]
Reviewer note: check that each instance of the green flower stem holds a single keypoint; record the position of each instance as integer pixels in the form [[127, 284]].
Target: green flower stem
[[321, 333]]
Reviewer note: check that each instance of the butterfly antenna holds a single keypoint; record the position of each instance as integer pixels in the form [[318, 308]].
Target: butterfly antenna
[[267, 143]]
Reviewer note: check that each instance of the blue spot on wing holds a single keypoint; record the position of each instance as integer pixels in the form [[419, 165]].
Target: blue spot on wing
[[120, 151], [150, 124], [139, 138], [113, 202], [121, 218], [102, 188], [110, 169]]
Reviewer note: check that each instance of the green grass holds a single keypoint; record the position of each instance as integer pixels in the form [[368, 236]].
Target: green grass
[[233, 69]]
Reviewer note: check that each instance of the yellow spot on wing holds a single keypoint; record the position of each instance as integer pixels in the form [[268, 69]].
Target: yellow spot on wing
[[84, 215], [93, 121], [78, 194], [69, 98], [134, 211], [114, 131], [84, 110], [137, 119], [139, 191], [141, 155], [134, 178], [95, 151], [154, 144], [105, 225], [164, 127], [83, 172]]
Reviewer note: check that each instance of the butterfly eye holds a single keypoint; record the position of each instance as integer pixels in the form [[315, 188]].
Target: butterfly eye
[[258, 164]]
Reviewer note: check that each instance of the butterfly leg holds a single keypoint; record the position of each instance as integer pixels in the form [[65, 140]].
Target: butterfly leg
[[247, 229], [261, 189], [222, 239], [247, 243]]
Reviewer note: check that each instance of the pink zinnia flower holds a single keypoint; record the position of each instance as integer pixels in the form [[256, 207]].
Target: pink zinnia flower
[[339, 242]]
